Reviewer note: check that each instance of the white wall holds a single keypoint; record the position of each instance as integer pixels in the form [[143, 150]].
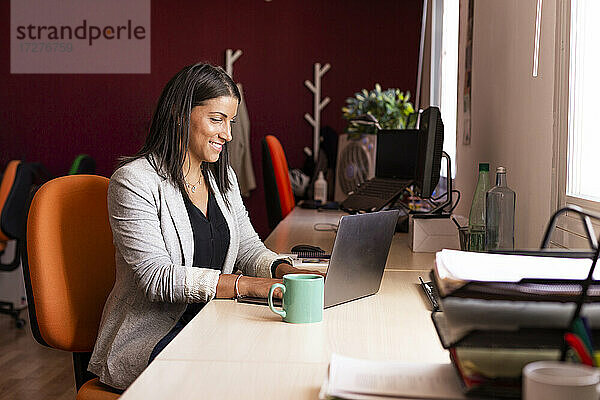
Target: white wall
[[512, 112]]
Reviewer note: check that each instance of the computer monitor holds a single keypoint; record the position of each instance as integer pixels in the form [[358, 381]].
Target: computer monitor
[[396, 154], [429, 157]]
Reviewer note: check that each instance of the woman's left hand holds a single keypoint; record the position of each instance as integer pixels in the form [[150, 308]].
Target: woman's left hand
[[250, 286], [285, 268]]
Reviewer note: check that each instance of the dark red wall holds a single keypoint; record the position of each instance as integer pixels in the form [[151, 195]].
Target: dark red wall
[[52, 118]]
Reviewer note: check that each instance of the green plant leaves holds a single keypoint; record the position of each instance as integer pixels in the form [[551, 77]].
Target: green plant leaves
[[391, 108]]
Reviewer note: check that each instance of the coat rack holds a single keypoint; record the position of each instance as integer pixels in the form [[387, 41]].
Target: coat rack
[[230, 58], [315, 120]]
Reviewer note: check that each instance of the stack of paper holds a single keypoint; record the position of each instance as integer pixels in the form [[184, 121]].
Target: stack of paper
[[351, 378], [456, 268]]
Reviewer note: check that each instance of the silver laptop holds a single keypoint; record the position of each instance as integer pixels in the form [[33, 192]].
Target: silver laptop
[[358, 257]]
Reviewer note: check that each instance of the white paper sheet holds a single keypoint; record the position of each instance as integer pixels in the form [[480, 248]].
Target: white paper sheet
[[316, 264], [351, 378], [471, 266]]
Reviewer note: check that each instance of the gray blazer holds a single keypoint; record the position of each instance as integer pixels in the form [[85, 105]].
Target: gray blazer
[[155, 279]]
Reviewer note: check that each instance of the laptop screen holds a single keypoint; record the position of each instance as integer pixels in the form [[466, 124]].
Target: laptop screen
[[396, 153]]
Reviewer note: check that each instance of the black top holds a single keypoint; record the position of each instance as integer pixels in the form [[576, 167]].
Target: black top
[[211, 242]]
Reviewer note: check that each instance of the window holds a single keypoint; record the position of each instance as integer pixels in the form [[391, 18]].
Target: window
[[444, 72], [583, 172], [577, 105]]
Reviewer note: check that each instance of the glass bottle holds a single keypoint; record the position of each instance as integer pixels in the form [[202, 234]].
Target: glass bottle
[[320, 191], [500, 215], [477, 213]]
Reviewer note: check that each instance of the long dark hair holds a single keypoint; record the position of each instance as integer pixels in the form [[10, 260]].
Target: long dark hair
[[169, 136]]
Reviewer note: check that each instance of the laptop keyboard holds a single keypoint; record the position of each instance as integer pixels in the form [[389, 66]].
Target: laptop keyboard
[[374, 194]]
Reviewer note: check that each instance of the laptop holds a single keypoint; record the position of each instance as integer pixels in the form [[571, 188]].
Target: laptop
[[358, 257], [396, 160]]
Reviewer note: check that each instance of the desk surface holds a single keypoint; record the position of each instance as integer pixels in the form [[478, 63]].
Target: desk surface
[[236, 350]]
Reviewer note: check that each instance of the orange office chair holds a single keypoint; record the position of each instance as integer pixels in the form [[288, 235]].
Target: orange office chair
[[14, 189], [17, 181], [69, 269], [278, 189]]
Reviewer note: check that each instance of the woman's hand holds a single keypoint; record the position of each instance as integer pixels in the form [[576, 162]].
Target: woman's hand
[[285, 268], [248, 286], [258, 287]]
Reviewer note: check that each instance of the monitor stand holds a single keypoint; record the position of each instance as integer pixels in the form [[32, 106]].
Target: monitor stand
[[438, 211]]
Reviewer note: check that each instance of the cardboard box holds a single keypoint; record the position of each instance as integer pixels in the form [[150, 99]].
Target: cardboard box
[[428, 235]]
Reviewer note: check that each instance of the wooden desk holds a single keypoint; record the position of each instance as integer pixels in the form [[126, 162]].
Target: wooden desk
[[235, 350], [299, 228]]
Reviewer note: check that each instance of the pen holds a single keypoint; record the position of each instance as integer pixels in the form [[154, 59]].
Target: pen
[[429, 292], [576, 343], [588, 331], [579, 330]]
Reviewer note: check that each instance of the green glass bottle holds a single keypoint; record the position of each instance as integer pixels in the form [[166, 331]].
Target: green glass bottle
[[477, 214]]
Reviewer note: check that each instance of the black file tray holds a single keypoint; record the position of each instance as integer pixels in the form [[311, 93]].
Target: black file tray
[[528, 338], [587, 291], [524, 338], [497, 290]]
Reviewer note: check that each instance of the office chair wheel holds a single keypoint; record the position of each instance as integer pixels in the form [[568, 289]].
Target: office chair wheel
[[9, 309]]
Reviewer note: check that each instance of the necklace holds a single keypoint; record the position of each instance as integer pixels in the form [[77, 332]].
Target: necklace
[[195, 186]]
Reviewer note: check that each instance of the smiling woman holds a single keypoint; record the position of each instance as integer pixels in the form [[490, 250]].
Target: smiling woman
[[211, 127], [179, 227]]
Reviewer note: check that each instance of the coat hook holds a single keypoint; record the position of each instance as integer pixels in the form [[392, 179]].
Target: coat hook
[[230, 58]]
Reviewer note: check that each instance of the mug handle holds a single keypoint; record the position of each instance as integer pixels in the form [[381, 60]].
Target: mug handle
[[282, 313]]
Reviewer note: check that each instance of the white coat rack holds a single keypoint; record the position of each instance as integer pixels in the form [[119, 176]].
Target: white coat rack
[[230, 58], [319, 104]]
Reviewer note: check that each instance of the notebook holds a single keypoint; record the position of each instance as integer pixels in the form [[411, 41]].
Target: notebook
[[358, 257]]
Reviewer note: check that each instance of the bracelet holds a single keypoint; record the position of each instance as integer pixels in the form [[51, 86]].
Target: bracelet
[[235, 286]]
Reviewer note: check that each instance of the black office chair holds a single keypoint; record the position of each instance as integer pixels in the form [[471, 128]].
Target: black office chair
[[83, 164]]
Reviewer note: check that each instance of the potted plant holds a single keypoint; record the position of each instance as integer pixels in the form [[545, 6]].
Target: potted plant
[[390, 108]]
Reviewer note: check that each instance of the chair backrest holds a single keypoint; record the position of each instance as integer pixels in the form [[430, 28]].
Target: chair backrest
[[14, 189], [70, 261], [278, 189]]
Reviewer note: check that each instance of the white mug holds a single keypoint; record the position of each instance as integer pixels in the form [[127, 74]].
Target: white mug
[[556, 380]]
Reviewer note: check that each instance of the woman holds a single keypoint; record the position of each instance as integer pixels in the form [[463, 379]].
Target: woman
[[179, 227]]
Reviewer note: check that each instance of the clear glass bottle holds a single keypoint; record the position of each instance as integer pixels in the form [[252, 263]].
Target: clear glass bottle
[[500, 215], [477, 214]]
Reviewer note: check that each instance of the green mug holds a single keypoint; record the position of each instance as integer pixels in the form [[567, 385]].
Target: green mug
[[302, 298]]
